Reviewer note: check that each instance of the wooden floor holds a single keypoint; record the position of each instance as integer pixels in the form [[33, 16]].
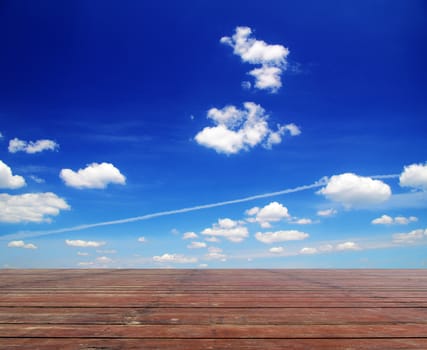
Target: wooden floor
[[213, 309]]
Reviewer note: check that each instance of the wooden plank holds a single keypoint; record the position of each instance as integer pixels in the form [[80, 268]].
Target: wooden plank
[[188, 316], [217, 344]]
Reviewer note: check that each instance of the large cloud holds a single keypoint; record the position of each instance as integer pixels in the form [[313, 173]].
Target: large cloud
[[8, 180], [93, 176], [17, 145], [272, 212], [414, 175], [238, 130], [30, 207], [354, 190], [234, 231], [271, 58], [280, 236]]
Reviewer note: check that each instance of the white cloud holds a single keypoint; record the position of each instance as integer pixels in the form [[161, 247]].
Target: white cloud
[[215, 253], [414, 175], [281, 236], [212, 239], [142, 239], [388, 220], [189, 235], [37, 179], [234, 231], [354, 190], [21, 244], [276, 250], [347, 246], [174, 258], [325, 248], [327, 212], [8, 180], [81, 243], [30, 207], [196, 245], [303, 221], [104, 260], [86, 263], [271, 58], [238, 130], [17, 145], [106, 251], [93, 176], [82, 253], [409, 237], [272, 212], [308, 250]]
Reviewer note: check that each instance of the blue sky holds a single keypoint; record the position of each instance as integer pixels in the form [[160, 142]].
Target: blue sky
[[213, 134]]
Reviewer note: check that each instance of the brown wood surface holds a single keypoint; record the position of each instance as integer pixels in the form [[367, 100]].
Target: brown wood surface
[[213, 309]]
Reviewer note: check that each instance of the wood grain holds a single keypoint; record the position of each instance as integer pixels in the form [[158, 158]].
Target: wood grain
[[213, 309]]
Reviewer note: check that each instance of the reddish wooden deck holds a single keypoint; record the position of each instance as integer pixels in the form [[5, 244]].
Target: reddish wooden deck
[[213, 309]]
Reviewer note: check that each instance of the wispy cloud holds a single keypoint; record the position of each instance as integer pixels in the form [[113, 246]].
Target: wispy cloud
[[17, 235]]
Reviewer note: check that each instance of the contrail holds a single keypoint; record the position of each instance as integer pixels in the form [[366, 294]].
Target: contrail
[[21, 235]]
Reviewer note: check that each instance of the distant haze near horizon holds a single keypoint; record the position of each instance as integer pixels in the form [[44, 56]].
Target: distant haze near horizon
[[213, 134]]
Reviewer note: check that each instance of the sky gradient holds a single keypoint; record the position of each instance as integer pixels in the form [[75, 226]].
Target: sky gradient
[[213, 134]]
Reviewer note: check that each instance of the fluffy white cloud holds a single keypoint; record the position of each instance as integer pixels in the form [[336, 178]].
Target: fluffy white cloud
[[308, 250], [238, 130], [409, 237], [276, 250], [327, 212], [142, 239], [414, 175], [17, 145], [388, 220], [272, 212], [8, 180], [81, 243], [347, 246], [271, 58], [234, 231], [354, 190], [30, 207], [189, 235], [93, 176], [280, 236], [21, 244], [174, 258], [215, 253], [196, 245]]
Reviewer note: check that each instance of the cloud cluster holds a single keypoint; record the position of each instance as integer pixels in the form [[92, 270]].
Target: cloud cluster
[[82, 243], [327, 248], [196, 245], [415, 176], [8, 180], [17, 145], [280, 236], [174, 258], [353, 190], [93, 176], [30, 207], [215, 253], [388, 220], [410, 237], [272, 212], [271, 58], [327, 212], [21, 244], [238, 130], [234, 231]]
